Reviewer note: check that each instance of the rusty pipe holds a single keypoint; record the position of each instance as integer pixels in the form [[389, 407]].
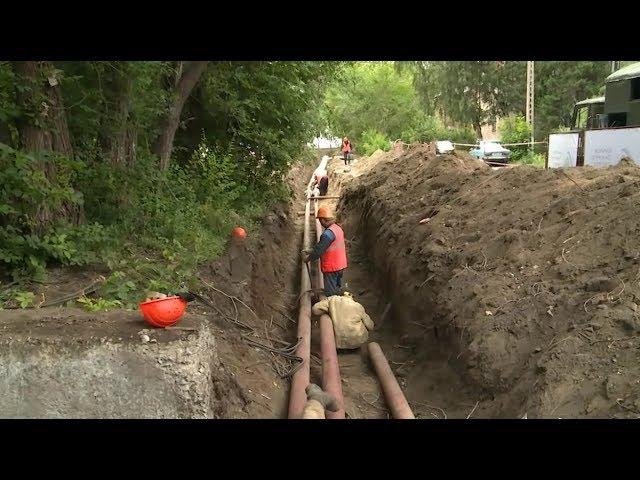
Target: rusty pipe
[[300, 379], [331, 380], [390, 388]]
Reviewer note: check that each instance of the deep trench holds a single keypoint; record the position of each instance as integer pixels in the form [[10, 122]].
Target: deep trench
[[423, 353]]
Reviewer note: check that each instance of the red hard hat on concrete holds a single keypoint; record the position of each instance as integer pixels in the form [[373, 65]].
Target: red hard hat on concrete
[[163, 312]]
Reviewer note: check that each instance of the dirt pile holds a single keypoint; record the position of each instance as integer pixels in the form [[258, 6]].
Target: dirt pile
[[340, 174], [529, 278]]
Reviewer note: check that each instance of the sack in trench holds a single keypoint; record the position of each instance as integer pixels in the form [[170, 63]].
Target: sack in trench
[[351, 324]]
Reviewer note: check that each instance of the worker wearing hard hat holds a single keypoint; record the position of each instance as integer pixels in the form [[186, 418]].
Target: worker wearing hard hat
[[331, 251], [346, 150]]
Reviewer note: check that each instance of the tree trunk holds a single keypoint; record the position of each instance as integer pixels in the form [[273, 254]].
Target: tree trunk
[[188, 80], [478, 129], [189, 138], [118, 135], [5, 134], [478, 115], [45, 130]]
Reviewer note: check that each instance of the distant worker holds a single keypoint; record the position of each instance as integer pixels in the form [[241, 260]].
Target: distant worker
[[331, 251], [314, 190], [323, 185], [346, 150], [321, 181], [351, 323]]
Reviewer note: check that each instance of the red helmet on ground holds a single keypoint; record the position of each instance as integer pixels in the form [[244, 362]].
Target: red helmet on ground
[[238, 232]]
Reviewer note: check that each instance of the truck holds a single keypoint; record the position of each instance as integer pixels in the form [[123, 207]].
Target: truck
[[586, 113], [603, 129]]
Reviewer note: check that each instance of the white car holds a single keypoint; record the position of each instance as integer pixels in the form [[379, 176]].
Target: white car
[[491, 151], [444, 146]]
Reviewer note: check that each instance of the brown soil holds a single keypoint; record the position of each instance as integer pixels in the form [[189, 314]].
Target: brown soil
[[518, 296]]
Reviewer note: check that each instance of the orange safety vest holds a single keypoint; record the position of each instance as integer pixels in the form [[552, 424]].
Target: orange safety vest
[[334, 258], [346, 146]]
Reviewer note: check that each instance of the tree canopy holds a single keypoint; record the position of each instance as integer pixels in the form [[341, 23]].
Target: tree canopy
[[103, 158], [142, 167]]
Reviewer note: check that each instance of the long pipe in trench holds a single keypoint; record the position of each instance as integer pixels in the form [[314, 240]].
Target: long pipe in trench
[[330, 368], [331, 380], [390, 388], [300, 379]]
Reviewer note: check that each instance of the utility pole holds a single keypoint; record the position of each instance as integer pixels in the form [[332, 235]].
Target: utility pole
[[614, 66], [530, 97]]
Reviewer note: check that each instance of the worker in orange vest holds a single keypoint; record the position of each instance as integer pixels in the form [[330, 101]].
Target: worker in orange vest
[[331, 251], [346, 150]]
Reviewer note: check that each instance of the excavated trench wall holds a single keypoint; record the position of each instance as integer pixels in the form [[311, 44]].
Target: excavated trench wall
[[528, 277], [410, 275], [363, 209]]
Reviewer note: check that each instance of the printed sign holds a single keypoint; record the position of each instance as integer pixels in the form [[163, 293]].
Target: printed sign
[[563, 150], [603, 148]]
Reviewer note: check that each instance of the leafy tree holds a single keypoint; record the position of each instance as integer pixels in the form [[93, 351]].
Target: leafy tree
[[372, 96], [477, 92], [515, 129], [102, 161], [472, 93], [372, 141], [187, 75], [559, 85]]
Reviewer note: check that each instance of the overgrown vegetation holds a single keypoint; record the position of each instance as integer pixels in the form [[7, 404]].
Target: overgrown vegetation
[[476, 93], [139, 169], [373, 140], [375, 103], [515, 129], [143, 167]]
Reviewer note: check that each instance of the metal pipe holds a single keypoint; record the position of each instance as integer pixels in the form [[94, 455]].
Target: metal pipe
[[331, 380], [300, 379], [390, 388]]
